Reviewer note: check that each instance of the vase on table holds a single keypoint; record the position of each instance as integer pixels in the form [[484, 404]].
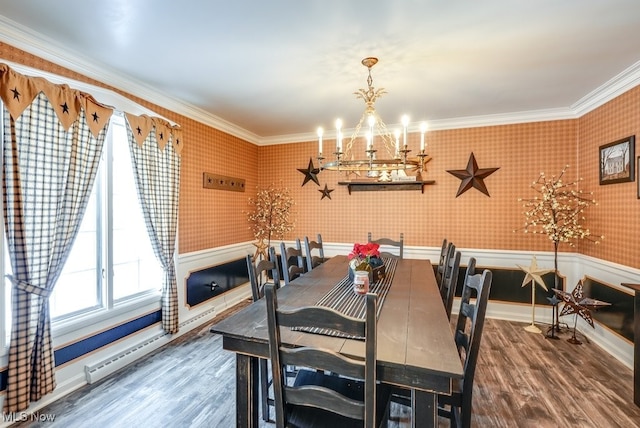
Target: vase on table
[[374, 267], [361, 281]]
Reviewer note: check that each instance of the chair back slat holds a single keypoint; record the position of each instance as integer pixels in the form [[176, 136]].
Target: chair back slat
[[259, 274], [449, 251], [388, 242], [312, 358], [439, 271], [292, 261], [322, 317], [450, 279], [310, 396], [322, 359], [314, 258]]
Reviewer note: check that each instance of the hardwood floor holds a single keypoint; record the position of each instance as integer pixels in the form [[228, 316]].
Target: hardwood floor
[[522, 380]]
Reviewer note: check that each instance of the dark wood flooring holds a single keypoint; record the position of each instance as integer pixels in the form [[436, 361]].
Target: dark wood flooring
[[523, 380]]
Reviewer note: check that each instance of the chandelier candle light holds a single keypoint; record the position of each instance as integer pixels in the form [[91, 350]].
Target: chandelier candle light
[[395, 156]]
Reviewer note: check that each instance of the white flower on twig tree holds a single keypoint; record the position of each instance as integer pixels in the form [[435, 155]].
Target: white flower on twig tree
[[271, 216], [558, 211]]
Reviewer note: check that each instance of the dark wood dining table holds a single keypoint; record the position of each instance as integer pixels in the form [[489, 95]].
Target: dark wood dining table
[[416, 349]]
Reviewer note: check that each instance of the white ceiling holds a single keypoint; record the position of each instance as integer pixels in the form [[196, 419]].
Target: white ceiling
[[281, 68]]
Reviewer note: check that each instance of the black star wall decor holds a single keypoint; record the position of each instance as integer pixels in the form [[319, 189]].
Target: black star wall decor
[[472, 176], [326, 192], [311, 173]]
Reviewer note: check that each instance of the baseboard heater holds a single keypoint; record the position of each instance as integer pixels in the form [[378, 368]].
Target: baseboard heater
[[100, 370]]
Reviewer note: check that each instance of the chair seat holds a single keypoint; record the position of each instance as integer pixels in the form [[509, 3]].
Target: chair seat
[[303, 416]]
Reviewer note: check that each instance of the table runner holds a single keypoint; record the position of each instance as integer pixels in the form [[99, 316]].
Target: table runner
[[342, 298]]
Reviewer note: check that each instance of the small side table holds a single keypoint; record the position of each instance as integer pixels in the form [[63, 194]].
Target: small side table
[[636, 342]]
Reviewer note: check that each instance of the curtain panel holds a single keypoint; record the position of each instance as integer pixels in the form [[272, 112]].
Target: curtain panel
[[155, 154], [53, 140]]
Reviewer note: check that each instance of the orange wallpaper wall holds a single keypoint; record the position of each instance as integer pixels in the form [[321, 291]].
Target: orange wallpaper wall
[[472, 220], [618, 215], [212, 218]]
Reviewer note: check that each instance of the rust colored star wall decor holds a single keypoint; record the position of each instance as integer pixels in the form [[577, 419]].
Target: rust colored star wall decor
[[472, 176], [311, 173]]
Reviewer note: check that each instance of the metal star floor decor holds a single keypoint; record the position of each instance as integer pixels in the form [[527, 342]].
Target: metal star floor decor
[[576, 303], [311, 173], [472, 176], [533, 275]]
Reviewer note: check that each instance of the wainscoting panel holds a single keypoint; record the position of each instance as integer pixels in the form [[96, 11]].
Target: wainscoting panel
[[213, 281], [619, 315]]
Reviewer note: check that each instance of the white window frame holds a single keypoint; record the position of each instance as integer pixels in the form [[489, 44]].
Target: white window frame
[[106, 301]]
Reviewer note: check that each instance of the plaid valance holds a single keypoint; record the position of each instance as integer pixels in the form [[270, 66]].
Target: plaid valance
[[18, 92]]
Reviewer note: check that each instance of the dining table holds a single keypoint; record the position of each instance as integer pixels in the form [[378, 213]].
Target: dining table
[[415, 345]]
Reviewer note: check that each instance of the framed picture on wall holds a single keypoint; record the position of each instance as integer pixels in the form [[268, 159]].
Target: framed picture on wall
[[616, 161]]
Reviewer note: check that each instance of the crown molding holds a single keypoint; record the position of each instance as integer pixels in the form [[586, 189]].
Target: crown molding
[[444, 124], [611, 89], [30, 41]]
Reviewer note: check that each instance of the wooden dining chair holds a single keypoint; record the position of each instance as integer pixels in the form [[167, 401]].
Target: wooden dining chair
[[259, 275], [388, 242], [349, 395], [314, 251], [440, 275], [291, 261], [468, 333], [450, 279], [440, 267]]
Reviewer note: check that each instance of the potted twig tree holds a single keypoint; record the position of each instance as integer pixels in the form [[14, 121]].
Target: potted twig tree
[[558, 212], [270, 216]]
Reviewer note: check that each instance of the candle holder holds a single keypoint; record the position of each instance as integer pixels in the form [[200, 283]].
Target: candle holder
[[403, 156], [422, 155], [371, 156], [338, 154]]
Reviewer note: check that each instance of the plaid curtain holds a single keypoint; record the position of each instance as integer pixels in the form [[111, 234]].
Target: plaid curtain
[[49, 169], [155, 151]]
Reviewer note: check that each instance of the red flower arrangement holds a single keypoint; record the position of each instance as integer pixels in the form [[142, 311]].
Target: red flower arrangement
[[362, 254]]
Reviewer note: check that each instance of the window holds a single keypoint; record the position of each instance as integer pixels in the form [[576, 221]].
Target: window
[[112, 261]]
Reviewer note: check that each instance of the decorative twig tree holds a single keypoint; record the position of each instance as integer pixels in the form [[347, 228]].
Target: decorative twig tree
[[558, 213], [271, 216]]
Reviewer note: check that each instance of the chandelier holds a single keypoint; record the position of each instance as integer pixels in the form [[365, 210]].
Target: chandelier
[[385, 157]]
